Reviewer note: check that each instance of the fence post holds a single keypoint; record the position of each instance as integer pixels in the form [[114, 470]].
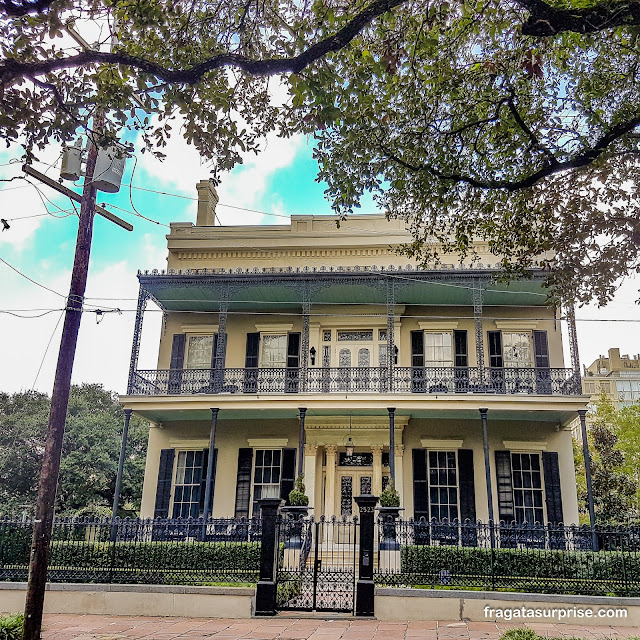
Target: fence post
[[266, 589], [365, 588]]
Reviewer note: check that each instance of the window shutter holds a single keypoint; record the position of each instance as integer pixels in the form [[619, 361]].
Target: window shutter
[[243, 482], [553, 494], [495, 348], [203, 484], [461, 357], [466, 483], [288, 475], [506, 511], [253, 346], [293, 350], [420, 484], [541, 349], [163, 489], [417, 348], [214, 351], [177, 350]]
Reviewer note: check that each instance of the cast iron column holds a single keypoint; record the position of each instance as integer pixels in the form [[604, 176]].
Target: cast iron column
[[477, 293], [365, 589], [221, 348], [391, 319], [587, 472], [123, 449], [266, 589], [392, 445], [303, 413], [209, 486], [143, 298], [487, 473]]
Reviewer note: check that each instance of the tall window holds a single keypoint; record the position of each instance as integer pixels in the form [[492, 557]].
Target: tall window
[[527, 487], [438, 349], [516, 349], [186, 492], [266, 475], [199, 352], [274, 351], [443, 485]]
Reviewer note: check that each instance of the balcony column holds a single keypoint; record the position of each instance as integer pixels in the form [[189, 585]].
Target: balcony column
[[573, 346], [399, 457], [330, 490], [391, 309], [221, 350], [209, 486], [587, 470], [477, 295], [392, 444], [310, 461], [487, 473], [376, 482], [303, 413], [143, 298], [304, 341]]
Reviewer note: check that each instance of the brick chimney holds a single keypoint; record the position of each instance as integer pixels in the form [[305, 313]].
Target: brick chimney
[[207, 201]]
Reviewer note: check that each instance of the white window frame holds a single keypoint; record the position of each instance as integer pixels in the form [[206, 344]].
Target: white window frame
[[261, 484], [268, 365], [543, 490], [514, 363], [444, 363], [174, 478], [457, 486], [190, 336]]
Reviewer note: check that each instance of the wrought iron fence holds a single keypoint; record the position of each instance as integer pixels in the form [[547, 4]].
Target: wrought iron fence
[[438, 380], [138, 551], [521, 557]]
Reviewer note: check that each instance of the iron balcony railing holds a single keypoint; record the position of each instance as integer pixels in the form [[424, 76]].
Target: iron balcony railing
[[427, 380]]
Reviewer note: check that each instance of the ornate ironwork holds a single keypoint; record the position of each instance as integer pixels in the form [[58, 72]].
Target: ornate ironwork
[[391, 310], [355, 460], [304, 342], [573, 341], [365, 485], [326, 336], [143, 298], [355, 336], [316, 570], [346, 495], [477, 295], [428, 380]]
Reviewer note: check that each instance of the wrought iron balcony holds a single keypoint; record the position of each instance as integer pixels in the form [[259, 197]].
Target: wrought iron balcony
[[420, 380]]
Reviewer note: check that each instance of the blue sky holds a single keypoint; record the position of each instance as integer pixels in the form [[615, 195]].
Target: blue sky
[[281, 180]]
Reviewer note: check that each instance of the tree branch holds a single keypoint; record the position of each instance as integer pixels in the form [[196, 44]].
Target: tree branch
[[13, 69], [545, 20], [551, 167]]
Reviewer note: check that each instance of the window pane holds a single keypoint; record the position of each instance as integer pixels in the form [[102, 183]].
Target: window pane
[[437, 349], [199, 352], [274, 351], [516, 349], [186, 493]]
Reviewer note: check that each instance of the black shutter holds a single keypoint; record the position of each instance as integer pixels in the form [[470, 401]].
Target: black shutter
[[420, 485], [243, 482], [203, 484], [293, 349], [177, 350], [163, 489], [495, 348], [541, 349], [417, 348], [467, 485], [214, 351], [293, 364], [460, 339], [506, 511], [418, 382], [253, 345], [288, 474], [553, 494]]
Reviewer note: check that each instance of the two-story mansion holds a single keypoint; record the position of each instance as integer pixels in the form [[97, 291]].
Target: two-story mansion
[[308, 347]]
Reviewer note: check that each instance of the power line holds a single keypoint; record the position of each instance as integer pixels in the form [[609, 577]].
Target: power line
[[30, 279], [44, 355]]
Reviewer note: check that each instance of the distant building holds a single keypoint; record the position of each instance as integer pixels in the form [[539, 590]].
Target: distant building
[[615, 375]]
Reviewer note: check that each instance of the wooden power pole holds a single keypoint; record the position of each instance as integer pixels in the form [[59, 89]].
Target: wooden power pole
[[43, 523]]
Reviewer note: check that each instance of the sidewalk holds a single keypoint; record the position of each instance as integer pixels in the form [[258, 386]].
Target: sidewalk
[[92, 627]]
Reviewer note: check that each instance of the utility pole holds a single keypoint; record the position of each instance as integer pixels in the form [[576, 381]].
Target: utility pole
[[43, 523]]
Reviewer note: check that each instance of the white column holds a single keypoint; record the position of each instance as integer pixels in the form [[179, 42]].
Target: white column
[[399, 456], [376, 483], [330, 491], [310, 453]]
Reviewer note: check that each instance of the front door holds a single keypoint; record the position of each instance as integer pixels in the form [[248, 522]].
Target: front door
[[352, 483]]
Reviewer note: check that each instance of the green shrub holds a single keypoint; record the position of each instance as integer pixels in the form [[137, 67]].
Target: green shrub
[[390, 497], [298, 497], [520, 634], [11, 626]]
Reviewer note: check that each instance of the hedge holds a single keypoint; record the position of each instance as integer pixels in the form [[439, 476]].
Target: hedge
[[544, 571]]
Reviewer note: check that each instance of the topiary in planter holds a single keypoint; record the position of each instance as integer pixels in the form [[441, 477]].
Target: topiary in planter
[[298, 497], [390, 497]]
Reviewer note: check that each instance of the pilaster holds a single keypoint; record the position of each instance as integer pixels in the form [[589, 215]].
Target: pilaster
[[330, 490], [310, 461], [376, 482]]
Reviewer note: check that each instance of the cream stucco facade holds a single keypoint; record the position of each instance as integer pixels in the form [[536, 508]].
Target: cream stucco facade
[[263, 321]]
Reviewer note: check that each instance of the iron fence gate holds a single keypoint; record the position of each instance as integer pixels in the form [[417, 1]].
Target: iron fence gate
[[317, 563]]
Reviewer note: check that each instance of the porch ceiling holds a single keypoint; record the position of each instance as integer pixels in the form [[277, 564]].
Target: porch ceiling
[[203, 292]]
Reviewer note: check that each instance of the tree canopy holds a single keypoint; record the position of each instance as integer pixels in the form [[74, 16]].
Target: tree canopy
[[90, 453], [512, 122]]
